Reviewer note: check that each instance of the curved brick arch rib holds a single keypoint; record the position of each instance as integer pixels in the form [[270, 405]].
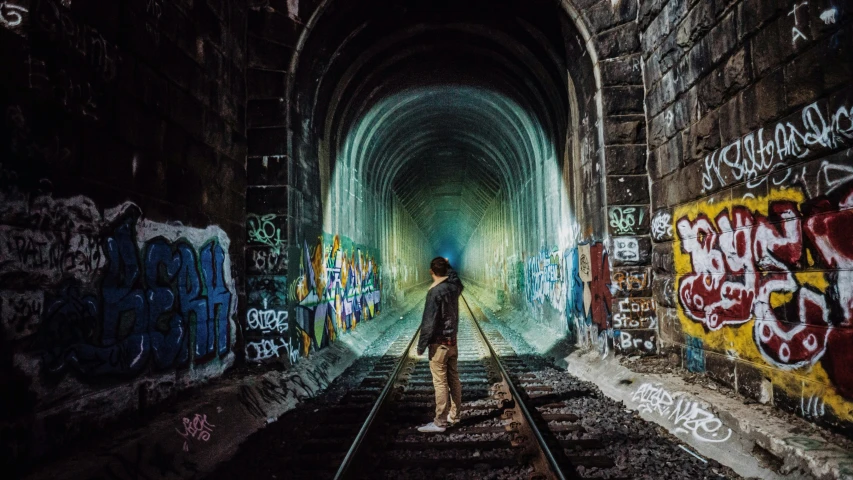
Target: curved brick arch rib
[[350, 113], [608, 32]]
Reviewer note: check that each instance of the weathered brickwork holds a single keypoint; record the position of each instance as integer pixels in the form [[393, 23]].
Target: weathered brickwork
[[122, 187], [749, 132]]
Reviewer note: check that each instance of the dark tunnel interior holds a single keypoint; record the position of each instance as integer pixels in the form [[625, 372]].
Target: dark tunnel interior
[[211, 210], [440, 106]]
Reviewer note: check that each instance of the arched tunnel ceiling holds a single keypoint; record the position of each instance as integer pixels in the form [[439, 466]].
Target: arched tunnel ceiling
[[442, 103], [445, 153]]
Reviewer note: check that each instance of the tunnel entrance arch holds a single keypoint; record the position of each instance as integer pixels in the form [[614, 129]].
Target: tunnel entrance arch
[[517, 129]]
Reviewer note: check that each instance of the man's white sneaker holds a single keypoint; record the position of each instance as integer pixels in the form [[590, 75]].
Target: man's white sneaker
[[431, 427], [450, 422]]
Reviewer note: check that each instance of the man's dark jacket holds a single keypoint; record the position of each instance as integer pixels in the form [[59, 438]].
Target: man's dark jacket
[[441, 313]]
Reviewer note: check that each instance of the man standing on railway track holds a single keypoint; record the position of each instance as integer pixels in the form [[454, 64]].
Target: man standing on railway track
[[438, 334]]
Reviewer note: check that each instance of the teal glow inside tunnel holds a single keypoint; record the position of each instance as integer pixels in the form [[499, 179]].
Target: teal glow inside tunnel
[[445, 152], [470, 135]]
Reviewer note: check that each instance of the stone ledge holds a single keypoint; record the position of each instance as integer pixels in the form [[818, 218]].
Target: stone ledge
[[717, 426]]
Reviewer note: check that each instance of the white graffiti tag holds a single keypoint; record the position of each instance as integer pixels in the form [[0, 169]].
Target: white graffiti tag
[[263, 230], [687, 416], [662, 226], [267, 320], [11, 15], [760, 152], [268, 348]]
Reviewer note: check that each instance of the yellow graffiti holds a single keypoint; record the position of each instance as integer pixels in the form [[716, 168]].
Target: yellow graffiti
[[306, 343], [319, 268], [737, 341]]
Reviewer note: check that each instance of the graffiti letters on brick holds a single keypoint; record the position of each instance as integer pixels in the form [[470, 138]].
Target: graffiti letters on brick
[[544, 279], [337, 288], [634, 313], [635, 341], [113, 295], [772, 275], [662, 226], [628, 220], [266, 230], [810, 132]]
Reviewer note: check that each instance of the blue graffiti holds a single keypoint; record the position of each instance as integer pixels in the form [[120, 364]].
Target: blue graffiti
[[695, 354], [146, 313], [574, 303]]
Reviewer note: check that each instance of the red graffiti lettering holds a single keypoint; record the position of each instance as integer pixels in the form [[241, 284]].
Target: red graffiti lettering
[[738, 262]]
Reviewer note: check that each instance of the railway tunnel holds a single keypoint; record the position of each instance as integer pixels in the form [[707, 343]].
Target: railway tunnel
[[218, 217]]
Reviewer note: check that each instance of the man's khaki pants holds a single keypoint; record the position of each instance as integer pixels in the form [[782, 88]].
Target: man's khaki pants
[[445, 379]]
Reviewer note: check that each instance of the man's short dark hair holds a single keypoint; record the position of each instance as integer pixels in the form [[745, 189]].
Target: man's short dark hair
[[439, 266]]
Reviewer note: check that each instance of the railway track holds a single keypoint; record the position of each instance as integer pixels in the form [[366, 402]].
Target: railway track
[[497, 437], [521, 419]]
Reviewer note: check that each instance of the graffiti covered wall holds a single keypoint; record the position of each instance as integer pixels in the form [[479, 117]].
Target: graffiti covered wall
[[336, 286], [105, 311], [121, 192], [751, 168], [574, 289], [766, 280]]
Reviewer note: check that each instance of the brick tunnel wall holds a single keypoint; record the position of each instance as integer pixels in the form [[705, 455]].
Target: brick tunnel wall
[[324, 253], [122, 209], [583, 266], [749, 106], [125, 168]]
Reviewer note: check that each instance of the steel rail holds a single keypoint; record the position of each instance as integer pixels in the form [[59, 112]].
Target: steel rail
[[362, 433], [515, 395]]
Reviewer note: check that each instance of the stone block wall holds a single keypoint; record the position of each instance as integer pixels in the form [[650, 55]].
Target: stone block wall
[[323, 253], [122, 204], [749, 130]]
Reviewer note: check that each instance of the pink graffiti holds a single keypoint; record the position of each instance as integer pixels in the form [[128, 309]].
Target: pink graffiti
[[198, 428]]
